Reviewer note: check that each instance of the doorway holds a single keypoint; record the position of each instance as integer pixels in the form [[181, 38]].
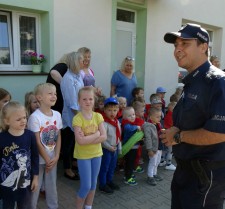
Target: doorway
[[125, 35]]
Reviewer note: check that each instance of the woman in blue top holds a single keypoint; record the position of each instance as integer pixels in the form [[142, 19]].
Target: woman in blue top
[[124, 80], [70, 85]]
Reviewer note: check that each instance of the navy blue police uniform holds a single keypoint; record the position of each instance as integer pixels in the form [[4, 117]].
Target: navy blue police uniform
[[199, 180]]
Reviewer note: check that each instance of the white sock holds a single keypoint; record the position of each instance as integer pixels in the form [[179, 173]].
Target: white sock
[[88, 207]]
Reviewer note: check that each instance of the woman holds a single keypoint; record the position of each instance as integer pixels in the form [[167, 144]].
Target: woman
[[87, 73], [124, 80], [70, 84], [55, 76]]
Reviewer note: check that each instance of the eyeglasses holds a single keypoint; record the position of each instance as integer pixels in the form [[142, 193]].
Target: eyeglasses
[[129, 58]]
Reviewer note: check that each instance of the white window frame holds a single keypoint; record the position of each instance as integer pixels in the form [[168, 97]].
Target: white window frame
[[10, 42], [14, 37]]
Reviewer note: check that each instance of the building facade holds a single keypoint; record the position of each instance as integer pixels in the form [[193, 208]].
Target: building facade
[[112, 29]]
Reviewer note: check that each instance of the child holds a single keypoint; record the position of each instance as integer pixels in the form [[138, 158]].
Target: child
[[46, 124], [129, 128], [137, 93], [155, 154], [167, 153], [5, 97], [31, 103], [19, 158], [111, 146], [160, 91], [99, 104], [89, 134], [139, 108], [152, 99], [122, 104]]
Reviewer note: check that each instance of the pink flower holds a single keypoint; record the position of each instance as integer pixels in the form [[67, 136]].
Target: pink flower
[[36, 59]]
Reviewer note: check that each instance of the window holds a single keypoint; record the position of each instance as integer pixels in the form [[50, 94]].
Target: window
[[18, 36], [125, 16]]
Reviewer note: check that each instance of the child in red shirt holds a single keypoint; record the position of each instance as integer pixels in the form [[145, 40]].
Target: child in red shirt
[[139, 108], [122, 104], [168, 122], [99, 104]]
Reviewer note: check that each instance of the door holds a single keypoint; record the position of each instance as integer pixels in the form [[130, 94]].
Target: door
[[125, 35]]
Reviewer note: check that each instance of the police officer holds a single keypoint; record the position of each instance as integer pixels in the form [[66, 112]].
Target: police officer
[[198, 134]]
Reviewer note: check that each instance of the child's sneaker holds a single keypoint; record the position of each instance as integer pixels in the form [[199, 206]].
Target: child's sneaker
[[131, 182], [141, 161], [132, 176], [162, 163], [151, 181], [113, 186], [170, 167], [139, 169], [106, 189], [158, 178]]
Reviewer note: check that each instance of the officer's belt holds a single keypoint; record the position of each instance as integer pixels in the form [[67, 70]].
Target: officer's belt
[[210, 165]]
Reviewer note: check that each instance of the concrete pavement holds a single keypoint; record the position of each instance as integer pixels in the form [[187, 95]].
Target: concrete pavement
[[142, 196]]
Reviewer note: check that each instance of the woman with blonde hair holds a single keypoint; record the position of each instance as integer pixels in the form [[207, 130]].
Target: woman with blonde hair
[[70, 85], [124, 80], [55, 76]]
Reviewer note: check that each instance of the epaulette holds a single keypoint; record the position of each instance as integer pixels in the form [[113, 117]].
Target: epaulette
[[214, 73]]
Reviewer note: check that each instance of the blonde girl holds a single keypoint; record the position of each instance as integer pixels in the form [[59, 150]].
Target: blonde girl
[[18, 158], [31, 103], [5, 97], [89, 133]]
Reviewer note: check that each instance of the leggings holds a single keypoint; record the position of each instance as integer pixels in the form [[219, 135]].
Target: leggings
[[88, 170]]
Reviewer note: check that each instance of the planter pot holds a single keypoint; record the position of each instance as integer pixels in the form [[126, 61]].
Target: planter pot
[[36, 68]]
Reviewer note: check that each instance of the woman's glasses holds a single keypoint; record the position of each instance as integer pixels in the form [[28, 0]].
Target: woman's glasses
[[129, 58]]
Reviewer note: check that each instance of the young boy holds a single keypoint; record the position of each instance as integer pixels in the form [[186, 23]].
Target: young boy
[[110, 147], [154, 154], [129, 128], [46, 124], [167, 153], [161, 91]]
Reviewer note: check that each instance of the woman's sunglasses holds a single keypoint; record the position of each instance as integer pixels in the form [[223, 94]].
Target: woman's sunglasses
[[129, 58]]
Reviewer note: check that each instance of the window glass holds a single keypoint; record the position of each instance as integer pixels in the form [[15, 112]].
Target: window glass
[[18, 36], [4, 41], [125, 16], [27, 27]]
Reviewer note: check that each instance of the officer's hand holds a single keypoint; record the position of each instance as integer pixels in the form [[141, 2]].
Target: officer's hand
[[168, 134]]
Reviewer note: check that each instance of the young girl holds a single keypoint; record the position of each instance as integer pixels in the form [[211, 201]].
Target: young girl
[[31, 103], [99, 104], [19, 158], [5, 97], [89, 133]]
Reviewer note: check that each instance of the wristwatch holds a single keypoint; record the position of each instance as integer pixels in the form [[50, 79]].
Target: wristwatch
[[177, 138]]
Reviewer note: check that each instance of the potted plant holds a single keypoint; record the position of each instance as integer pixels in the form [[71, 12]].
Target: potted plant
[[36, 61]]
